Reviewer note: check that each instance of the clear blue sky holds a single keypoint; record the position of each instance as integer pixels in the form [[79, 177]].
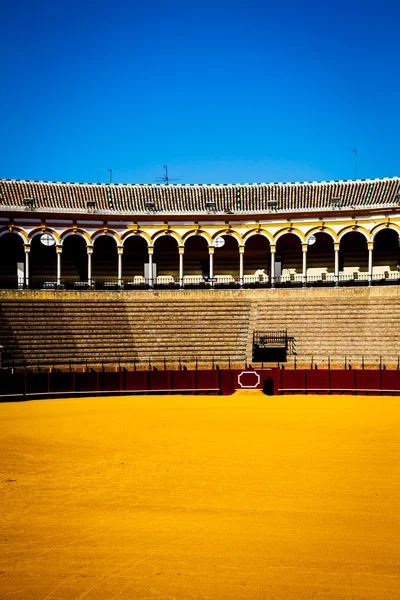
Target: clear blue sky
[[221, 92]]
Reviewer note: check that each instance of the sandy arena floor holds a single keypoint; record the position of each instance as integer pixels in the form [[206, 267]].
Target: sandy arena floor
[[248, 496]]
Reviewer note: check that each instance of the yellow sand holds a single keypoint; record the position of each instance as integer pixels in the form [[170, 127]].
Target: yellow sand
[[248, 496]]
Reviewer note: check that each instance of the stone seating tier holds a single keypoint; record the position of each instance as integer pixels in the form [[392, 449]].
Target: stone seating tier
[[46, 327]]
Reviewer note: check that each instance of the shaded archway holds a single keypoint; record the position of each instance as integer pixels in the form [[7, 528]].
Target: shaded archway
[[320, 257], [12, 261], [133, 259], [386, 255], [166, 257], [105, 260], [226, 257], [257, 256], [74, 261], [196, 260], [42, 262], [289, 257], [353, 254]]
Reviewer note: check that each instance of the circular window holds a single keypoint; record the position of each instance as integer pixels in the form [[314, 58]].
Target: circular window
[[219, 242], [312, 239], [47, 239]]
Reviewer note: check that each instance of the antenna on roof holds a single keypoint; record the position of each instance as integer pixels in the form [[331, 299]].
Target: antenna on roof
[[354, 151], [109, 172], [165, 178]]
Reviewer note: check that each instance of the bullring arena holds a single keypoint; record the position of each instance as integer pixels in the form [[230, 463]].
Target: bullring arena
[[213, 376]]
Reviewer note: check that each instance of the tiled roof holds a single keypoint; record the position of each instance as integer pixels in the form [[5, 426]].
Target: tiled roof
[[244, 198]]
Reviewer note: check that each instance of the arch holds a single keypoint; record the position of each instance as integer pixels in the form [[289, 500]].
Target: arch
[[196, 259], [289, 255], [136, 233], [74, 261], [197, 233], [134, 258], [262, 232], [257, 257], [166, 257], [289, 230], [76, 231], [168, 233], [351, 229], [12, 263], [226, 258], [109, 233], [383, 227], [320, 255], [228, 233], [17, 230], [40, 230], [386, 252], [353, 253], [315, 230], [105, 259], [42, 259]]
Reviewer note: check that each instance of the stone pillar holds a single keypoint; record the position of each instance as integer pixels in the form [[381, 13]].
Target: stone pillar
[[120, 250], [211, 253], [27, 249], [150, 250], [336, 247], [181, 250], [304, 248], [58, 253], [89, 264], [241, 260], [272, 250], [370, 251]]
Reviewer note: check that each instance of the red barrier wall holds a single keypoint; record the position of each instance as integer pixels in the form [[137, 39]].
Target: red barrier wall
[[390, 381], [293, 382], [318, 380], [271, 381]]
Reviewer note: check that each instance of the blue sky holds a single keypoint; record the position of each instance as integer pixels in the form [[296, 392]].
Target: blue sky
[[221, 92]]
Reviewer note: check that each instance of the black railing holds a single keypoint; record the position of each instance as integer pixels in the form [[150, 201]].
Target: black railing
[[271, 338], [199, 282], [143, 363], [164, 363]]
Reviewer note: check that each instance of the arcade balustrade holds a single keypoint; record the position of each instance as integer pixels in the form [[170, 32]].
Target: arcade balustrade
[[201, 282]]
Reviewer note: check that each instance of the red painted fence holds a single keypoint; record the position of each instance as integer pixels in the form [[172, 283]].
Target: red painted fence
[[28, 384]]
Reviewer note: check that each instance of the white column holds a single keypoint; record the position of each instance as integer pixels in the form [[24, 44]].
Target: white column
[[27, 249], [89, 264], [58, 253], [336, 247], [150, 250], [370, 251], [272, 250], [181, 250], [304, 247], [211, 252], [241, 260], [120, 250]]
